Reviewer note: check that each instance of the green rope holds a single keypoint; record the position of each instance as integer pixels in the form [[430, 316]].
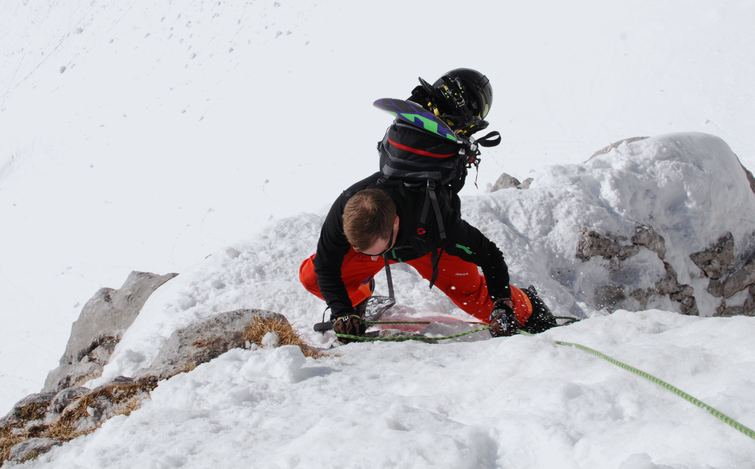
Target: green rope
[[664, 384], [742, 428]]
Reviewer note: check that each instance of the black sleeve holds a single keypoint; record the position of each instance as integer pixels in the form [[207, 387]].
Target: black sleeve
[[332, 248]]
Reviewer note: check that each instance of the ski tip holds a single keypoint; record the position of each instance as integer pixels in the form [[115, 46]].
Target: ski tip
[[323, 326], [415, 114]]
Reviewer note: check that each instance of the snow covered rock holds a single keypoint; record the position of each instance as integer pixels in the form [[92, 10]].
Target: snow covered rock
[[679, 178], [92, 409], [65, 397], [506, 181], [716, 260], [29, 409], [100, 326], [663, 222], [615, 249], [729, 277], [41, 421], [200, 342], [31, 448]]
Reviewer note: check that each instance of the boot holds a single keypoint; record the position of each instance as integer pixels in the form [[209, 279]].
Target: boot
[[541, 319]]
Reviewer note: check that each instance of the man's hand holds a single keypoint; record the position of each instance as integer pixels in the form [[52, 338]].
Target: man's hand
[[503, 321], [349, 325]]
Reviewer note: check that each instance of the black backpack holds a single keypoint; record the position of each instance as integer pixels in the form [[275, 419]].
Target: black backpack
[[426, 161]]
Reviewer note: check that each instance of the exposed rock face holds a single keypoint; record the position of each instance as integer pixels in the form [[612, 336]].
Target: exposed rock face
[[506, 181], [35, 424], [617, 249], [90, 410], [29, 409], [728, 276], [750, 177], [630, 184], [607, 246], [32, 447], [65, 397], [100, 326], [201, 342], [41, 421], [718, 259]]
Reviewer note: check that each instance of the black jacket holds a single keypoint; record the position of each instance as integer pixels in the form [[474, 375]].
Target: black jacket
[[414, 240]]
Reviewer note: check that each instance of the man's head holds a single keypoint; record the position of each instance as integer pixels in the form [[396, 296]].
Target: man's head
[[369, 221]]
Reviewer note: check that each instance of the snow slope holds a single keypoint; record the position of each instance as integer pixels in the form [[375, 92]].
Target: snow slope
[[688, 186], [521, 402], [142, 136]]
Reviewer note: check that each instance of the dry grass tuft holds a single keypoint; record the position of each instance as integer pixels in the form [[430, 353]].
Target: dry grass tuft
[[286, 334], [32, 411], [126, 397], [7, 441]]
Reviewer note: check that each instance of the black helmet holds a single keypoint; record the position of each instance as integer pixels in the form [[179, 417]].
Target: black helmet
[[473, 84], [462, 97]]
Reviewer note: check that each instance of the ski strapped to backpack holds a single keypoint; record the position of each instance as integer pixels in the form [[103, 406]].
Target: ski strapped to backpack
[[422, 152], [323, 326]]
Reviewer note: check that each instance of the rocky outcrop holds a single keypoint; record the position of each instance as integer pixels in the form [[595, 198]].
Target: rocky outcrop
[[100, 326], [506, 181], [607, 246], [28, 410], [33, 447], [750, 177], [718, 259], [41, 421], [199, 343], [730, 278], [616, 249], [36, 423], [617, 269]]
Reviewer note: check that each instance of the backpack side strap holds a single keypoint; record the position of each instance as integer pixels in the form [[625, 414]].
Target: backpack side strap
[[490, 140]]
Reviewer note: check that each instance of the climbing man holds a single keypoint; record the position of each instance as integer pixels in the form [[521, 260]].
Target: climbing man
[[400, 214]]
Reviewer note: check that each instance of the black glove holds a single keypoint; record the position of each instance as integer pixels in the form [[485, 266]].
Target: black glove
[[503, 321], [349, 325]]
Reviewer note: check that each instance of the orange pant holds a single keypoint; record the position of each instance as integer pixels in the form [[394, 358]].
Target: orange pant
[[458, 279]]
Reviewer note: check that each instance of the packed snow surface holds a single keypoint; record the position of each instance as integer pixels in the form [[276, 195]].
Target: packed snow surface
[[520, 402], [209, 138], [142, 135]]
